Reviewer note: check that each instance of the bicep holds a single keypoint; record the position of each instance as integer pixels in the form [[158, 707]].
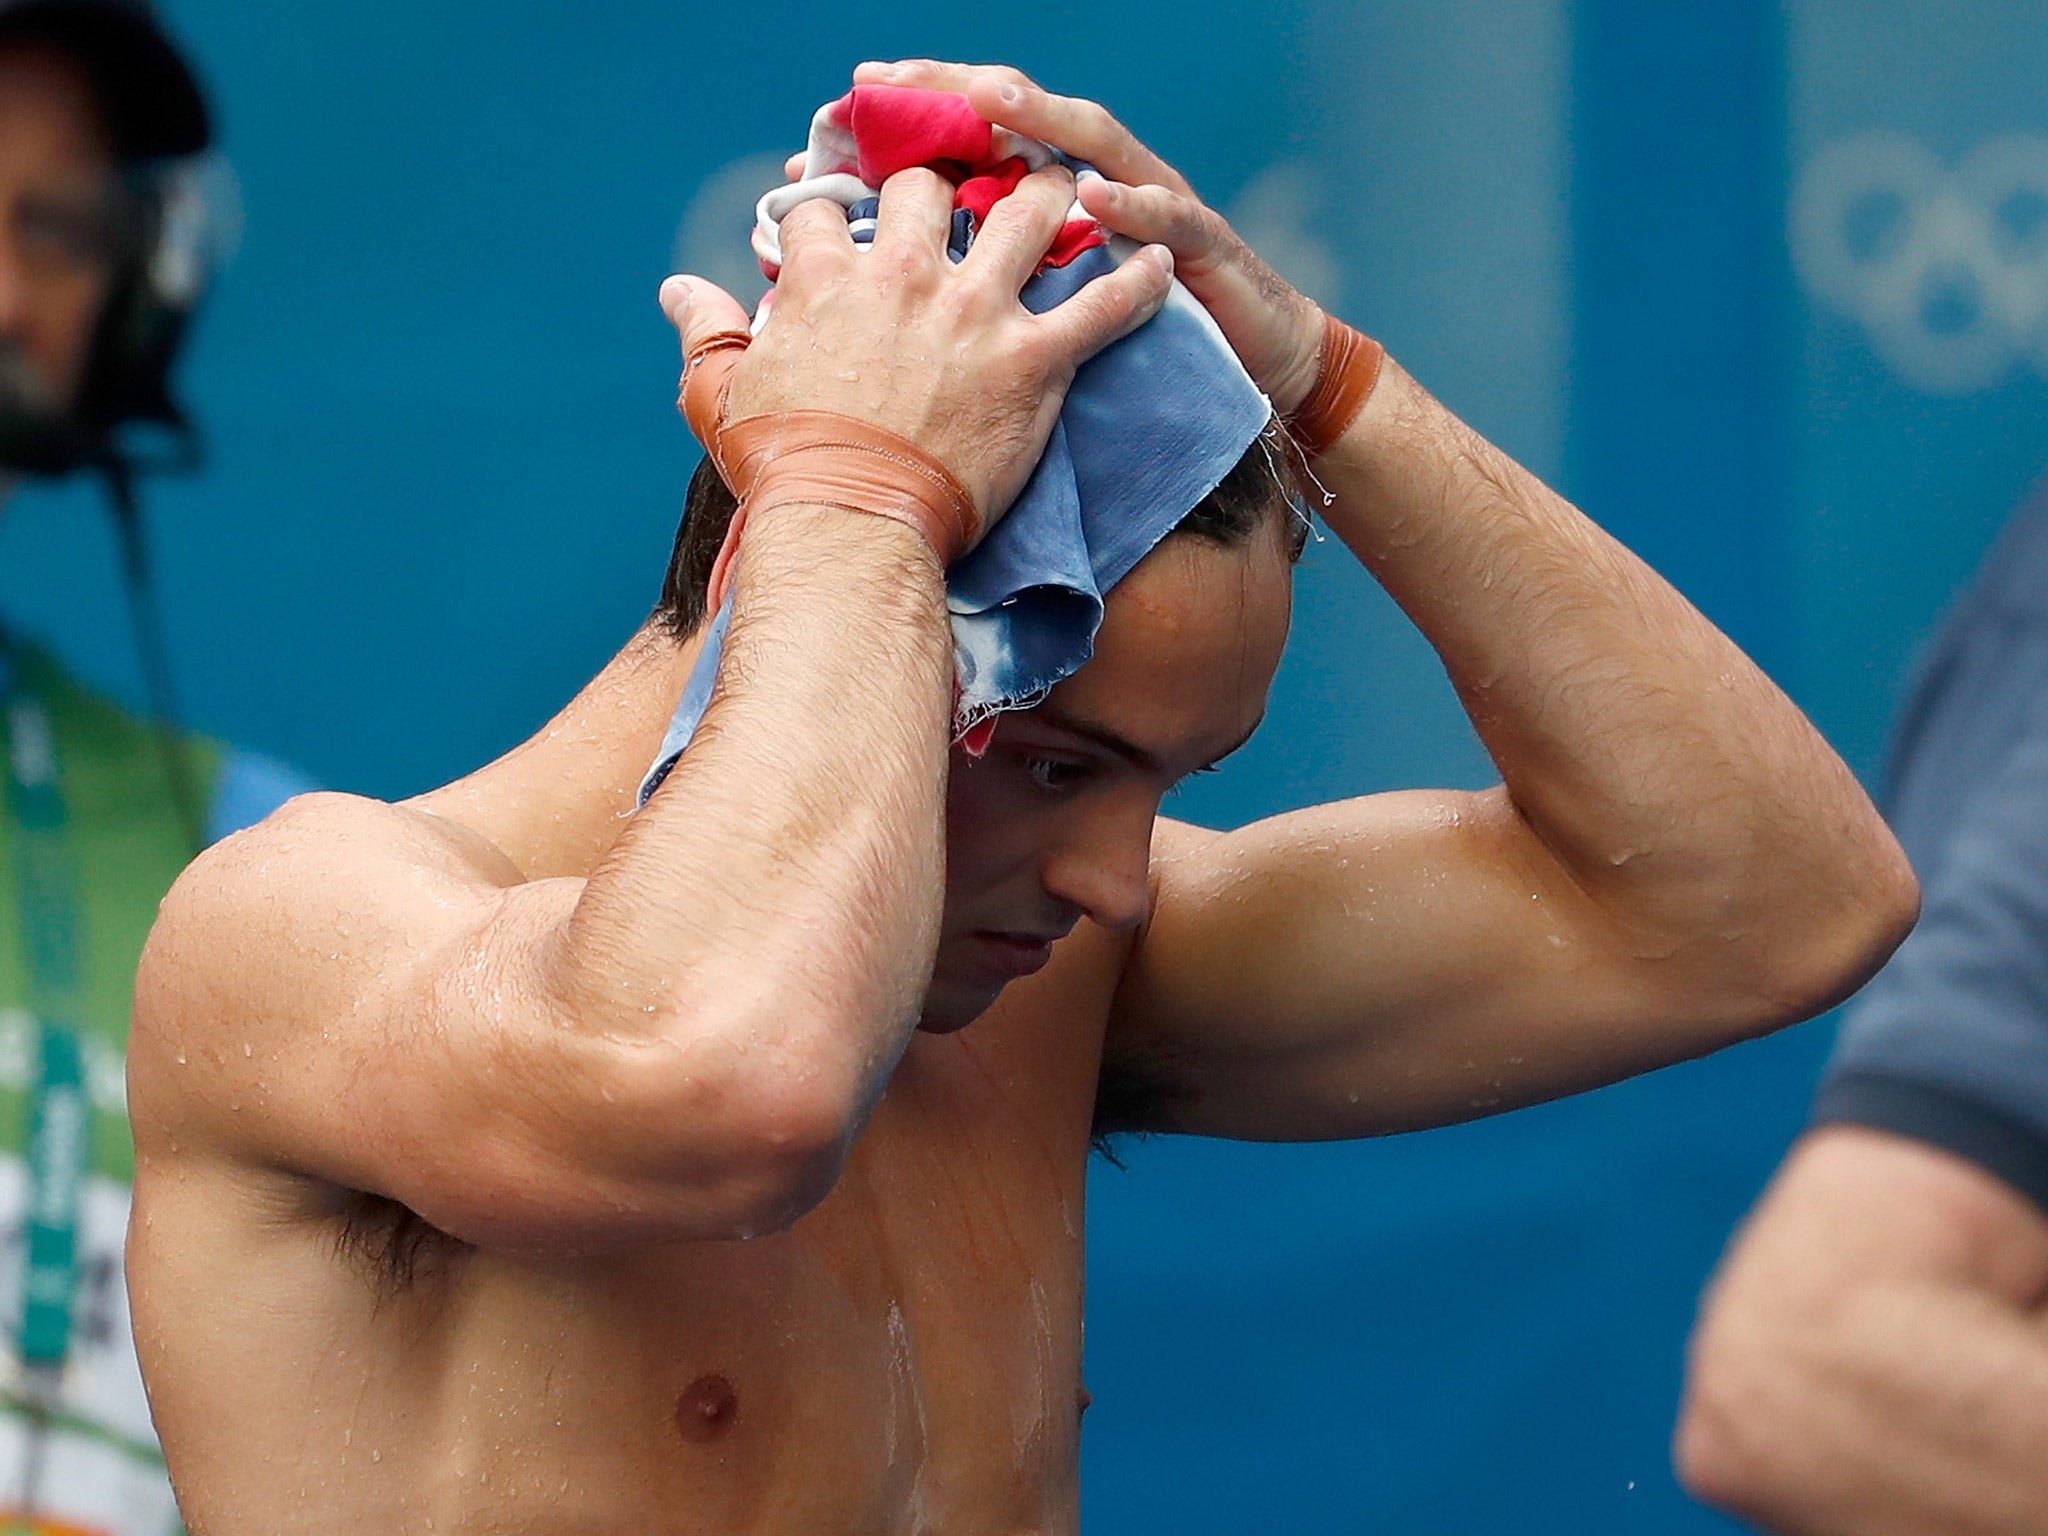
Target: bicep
[[1379, 965]]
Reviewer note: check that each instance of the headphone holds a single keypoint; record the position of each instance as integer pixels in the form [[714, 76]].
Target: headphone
[[174, 216], [162, 256]]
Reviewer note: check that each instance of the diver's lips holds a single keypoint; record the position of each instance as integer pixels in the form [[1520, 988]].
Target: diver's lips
[[1013, 954]]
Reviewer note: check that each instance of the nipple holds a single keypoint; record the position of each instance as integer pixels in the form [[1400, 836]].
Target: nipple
[[1083, 1401], [707, 1409]]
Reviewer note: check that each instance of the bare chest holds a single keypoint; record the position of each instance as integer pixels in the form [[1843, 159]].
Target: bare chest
[[906, 1357]]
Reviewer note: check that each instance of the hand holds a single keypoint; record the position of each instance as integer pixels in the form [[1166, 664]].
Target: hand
[[941, 353], [1275, 330]]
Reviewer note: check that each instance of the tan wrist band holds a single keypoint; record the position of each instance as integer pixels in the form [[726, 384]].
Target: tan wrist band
[[818, 459], [824, 459], [1347, 368]]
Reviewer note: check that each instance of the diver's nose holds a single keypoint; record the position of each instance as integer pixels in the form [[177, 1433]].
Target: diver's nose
[[1106, 871]]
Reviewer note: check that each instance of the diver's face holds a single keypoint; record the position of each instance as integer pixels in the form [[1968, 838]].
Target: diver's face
[[1054, 824], [57, 213]]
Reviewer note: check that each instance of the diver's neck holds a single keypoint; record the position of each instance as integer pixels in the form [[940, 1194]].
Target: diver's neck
[[555, 802]]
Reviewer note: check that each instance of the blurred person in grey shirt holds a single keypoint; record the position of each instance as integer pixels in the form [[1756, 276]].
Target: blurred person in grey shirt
[[1872, 1359]]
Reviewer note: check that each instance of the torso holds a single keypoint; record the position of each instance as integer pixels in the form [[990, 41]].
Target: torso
[[905, 1358]]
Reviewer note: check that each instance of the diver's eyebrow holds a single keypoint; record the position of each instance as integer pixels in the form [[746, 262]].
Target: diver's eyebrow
[[1102, 736], [1107, 739]]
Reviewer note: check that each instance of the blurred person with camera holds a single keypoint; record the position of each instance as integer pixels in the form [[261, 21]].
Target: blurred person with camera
[[1872, 1359], [102, 259]]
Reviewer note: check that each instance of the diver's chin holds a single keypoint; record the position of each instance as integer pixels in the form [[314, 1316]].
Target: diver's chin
[[950, 1006]]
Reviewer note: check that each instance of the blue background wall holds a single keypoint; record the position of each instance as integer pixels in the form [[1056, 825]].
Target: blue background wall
[[446, 472]]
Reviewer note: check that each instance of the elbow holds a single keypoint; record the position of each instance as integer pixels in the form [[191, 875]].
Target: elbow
[[1715, 1460], [784, 1142], [641, 1145], [742, 1131], [1742, 1419], [1865, 914]]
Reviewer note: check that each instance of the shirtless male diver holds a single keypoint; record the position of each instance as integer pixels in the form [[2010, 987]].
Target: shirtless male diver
[[509, 1163]]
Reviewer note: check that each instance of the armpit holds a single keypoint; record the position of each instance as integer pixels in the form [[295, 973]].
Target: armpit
[[1140, 1089]]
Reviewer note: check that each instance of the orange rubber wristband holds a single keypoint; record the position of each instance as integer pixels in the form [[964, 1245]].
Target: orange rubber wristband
[[824, 459], [816, 458], [1347, 368]]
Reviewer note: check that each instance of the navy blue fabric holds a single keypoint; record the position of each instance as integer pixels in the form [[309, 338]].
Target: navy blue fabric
[[1949, 1045]]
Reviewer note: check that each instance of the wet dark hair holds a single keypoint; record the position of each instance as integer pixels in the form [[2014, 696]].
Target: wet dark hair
[[1264, 484]]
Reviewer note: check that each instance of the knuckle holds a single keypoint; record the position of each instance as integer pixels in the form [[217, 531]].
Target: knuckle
[[1097, 119], [1194, 218], [917, 180], [900, 262], [802, 224]]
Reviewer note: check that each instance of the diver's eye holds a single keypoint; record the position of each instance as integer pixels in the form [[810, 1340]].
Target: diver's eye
[[1055, 773]]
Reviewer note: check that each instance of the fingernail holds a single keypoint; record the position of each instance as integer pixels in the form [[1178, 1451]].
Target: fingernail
[[882, 67], [1009, 95]]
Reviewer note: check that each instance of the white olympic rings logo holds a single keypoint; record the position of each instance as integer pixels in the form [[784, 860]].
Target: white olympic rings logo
[[1945, 267]]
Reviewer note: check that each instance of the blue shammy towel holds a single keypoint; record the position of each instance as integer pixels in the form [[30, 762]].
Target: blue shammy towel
[[1150, 426]]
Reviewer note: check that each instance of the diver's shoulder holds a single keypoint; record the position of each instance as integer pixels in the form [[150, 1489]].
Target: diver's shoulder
[[319, 855]]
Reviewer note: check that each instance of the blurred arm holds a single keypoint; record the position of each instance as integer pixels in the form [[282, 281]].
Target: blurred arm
[[1873, 1358]]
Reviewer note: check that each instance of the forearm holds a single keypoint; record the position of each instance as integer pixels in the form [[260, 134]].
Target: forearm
[[783, 886], [1673, 781], [1908, 1409]]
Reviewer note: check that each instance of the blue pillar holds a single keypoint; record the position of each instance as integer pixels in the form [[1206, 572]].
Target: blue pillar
[[1681, 358]]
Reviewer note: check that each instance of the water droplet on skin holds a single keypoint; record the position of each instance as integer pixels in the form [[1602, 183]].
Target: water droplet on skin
[[247, 1050]]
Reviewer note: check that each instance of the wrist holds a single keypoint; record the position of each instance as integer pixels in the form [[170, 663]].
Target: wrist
[[822, 459], [1348, 365]]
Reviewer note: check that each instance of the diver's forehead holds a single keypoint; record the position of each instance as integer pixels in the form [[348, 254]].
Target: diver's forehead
[[1189, 644]]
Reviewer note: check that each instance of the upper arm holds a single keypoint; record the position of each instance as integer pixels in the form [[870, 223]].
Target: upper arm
[[360, 995], [1398, 961]]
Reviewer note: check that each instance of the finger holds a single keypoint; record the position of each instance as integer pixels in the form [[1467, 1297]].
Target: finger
[[814, 228], [793, 167], [1113, 305], [1199, 237], [915, 215], [1018, 230], [713, 328], [1071, 125], [697, 308], [933, 74]]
